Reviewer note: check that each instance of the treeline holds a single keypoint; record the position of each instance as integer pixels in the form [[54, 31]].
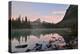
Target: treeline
[[22, 24], [18, 24], [26, 24]]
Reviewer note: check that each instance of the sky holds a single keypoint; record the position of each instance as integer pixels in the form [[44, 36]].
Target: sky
[[52, 13]]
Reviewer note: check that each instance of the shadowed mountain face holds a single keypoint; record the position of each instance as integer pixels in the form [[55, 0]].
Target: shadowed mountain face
[[71, 17], [72, 12]]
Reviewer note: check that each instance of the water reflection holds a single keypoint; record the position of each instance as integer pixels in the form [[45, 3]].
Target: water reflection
[[38, 43], [43, 40]]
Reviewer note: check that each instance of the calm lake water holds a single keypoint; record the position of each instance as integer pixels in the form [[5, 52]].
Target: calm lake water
[[39, 38]]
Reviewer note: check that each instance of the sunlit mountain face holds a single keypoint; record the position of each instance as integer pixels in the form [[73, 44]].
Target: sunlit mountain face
[[52, 13]]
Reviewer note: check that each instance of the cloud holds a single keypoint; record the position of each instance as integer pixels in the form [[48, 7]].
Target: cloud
[[58, 12]]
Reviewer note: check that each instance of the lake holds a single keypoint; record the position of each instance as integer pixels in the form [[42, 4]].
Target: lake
[[25, 40]]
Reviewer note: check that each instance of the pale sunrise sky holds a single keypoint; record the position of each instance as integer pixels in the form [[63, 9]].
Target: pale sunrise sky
[[48, 12]]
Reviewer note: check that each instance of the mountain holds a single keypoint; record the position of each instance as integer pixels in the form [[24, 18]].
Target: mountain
[[37, 21], [70, 19]]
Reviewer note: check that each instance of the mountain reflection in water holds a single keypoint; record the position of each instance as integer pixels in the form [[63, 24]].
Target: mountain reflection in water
[[46, 42], [43, 40]]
